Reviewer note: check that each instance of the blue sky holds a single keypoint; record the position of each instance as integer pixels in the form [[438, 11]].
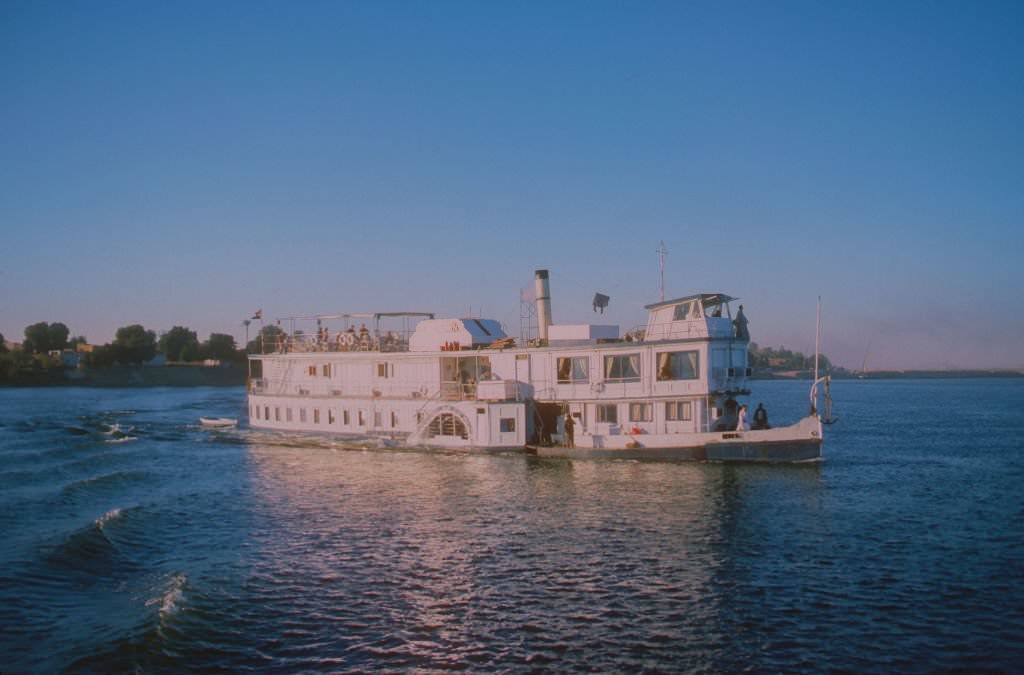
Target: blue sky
[[189, 163]]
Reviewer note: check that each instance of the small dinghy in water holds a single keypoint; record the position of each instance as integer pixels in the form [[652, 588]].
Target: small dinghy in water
[[218, 422]]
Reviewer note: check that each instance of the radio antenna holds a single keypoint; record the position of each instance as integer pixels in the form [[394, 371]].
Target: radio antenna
[[661, 268]]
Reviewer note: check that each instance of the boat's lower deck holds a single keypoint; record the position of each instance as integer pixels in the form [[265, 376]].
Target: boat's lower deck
[[482, 426]]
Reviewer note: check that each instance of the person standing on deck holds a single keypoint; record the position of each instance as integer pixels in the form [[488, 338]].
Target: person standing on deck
[[761, 417], [570, 425], [741, 420], [740, 322]]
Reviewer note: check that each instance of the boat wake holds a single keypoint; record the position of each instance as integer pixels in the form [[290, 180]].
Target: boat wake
[[103, 483], [107, 517], [121, 439], [171, 600]]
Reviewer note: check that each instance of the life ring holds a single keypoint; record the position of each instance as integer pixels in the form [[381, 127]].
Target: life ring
[[348, 339]]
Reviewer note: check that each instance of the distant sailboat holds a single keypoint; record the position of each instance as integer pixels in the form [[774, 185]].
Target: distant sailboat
[[861, 374]]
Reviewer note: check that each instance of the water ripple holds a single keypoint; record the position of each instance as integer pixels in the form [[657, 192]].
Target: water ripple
[[246, 550]]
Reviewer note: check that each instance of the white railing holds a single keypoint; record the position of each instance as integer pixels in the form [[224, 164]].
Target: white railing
[[304, 343], [276, 387]]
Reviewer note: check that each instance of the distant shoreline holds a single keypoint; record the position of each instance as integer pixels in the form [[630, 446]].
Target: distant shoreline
[[896, 375], [133, 376]]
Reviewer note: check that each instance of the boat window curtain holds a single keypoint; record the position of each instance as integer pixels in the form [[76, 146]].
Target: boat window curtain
[[565, 367], [634, 366], [678, 365], [622, 367], [691, 362], [580, 368], [664, 366]]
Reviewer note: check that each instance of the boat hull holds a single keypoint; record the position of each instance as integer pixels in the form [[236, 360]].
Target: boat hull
[[800, 442]]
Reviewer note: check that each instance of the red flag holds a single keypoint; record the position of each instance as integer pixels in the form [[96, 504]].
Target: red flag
[[258, 314]]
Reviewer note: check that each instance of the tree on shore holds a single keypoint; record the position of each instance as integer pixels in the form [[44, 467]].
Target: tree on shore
[[134, 344], [101, 356], [220, 346], [178, 343], [43, 337], [3, 347], [767, 358], [268, 335]]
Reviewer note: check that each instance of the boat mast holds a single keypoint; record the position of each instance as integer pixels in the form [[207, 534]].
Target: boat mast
[[661, 268], [817, 340]]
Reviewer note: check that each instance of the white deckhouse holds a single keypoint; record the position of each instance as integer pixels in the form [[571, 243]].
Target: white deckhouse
[[463, 383]]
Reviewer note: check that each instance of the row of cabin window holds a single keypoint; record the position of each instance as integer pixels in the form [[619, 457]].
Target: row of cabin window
[[346, 418], [626, 367], [675, 411], [384, 370]]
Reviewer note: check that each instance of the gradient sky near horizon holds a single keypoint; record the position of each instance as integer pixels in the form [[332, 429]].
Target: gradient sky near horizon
[[188, 163]]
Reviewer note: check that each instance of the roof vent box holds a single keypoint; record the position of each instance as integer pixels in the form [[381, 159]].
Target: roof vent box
[[584, 331]]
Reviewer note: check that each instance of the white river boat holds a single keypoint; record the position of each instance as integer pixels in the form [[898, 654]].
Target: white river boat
[[678, 390]]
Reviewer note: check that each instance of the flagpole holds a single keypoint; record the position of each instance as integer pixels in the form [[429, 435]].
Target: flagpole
[[817, 339]]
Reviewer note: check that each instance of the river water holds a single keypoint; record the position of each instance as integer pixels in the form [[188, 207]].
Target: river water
[[135, 540]]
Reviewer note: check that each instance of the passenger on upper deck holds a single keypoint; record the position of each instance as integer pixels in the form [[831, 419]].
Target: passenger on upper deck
[[740, 322]]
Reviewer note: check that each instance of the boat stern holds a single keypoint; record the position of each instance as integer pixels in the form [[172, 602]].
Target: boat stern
[[800, 442]]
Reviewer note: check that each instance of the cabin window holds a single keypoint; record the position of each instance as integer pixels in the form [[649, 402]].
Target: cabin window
[[678, 411], [682, 311], [312, 371], [330, 416], [394, 419], [302, 414], [266, 412], [316, 415], [382, 370], [507, 425], [345, 418], [362, 419], [678, 366], [608, 413], [288, 414], [459, 376], [641, 412], [277, 414], [327, 370], [622, 368], [573, 369], [376, 418]]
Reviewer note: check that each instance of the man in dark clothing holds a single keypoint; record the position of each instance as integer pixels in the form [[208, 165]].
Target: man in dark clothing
[[761, 417], [740, 322], [570, 425]]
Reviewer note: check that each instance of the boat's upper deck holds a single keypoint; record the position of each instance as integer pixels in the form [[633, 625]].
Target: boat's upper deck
[[704, 316]]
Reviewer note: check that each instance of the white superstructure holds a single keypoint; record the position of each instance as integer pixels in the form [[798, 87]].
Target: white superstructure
[[463, 383]]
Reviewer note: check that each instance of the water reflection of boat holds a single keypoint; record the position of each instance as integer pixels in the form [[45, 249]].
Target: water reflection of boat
[[677, 390]]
